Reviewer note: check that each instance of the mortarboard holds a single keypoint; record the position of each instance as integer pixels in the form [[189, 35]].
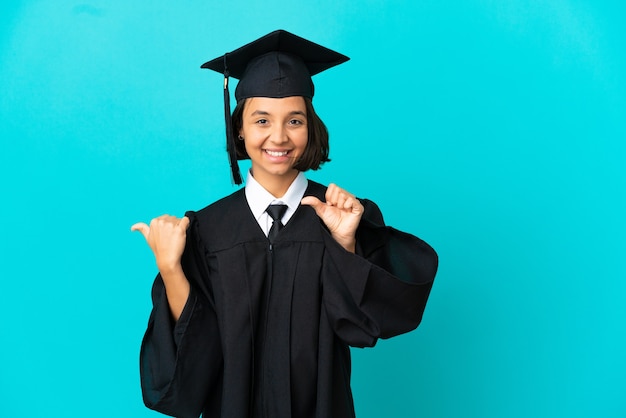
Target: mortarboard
[[279, 64]]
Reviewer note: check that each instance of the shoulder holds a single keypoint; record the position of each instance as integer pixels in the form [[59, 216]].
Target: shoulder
[[372, 213], [224, 224], [222, 207], [316, 189], [220, 214]]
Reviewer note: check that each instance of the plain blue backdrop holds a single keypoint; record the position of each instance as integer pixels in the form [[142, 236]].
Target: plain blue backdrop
[[493, 129]]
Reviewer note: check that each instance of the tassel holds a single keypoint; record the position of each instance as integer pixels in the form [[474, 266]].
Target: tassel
[[230, 139]]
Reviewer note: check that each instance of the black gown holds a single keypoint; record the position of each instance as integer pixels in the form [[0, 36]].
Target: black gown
[[266, 331]]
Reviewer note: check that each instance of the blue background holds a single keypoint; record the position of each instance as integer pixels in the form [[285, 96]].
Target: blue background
[[492, 129]]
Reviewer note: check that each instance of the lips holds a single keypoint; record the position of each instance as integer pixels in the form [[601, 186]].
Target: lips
[[276, 153]]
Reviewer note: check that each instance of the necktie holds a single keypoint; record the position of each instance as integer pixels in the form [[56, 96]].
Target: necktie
[[276, 212]]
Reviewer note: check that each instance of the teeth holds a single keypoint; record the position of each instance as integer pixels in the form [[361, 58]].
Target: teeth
[[276, 153]]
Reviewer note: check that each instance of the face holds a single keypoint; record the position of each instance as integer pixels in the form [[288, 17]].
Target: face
[[275, 134]]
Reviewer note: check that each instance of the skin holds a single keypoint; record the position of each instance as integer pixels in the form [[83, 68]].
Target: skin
[[277, 126], [275, 134]]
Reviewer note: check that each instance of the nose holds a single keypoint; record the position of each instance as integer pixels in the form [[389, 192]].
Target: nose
[[279, 135]]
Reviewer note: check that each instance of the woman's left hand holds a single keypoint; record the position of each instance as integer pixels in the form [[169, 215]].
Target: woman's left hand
[[341, 213]]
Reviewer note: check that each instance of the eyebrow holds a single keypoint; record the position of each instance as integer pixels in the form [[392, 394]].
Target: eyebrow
[[265, 113]]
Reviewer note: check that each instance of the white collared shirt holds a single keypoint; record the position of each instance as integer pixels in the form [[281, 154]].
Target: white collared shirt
[[259, 199]]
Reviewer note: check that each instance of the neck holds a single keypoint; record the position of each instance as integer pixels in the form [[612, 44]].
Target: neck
[[276, 185]]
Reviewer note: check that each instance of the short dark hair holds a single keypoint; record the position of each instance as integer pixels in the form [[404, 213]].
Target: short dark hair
[[317, 148]]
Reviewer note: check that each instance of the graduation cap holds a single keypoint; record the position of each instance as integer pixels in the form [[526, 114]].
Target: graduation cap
[[279, 64]]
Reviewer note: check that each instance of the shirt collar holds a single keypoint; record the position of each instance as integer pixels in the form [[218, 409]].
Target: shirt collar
[[259, 199]]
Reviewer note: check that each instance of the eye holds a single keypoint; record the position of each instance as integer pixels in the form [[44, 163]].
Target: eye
[[296, 122], [261, 122]]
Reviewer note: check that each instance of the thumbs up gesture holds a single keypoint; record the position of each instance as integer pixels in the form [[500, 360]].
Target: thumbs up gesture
[[341, 213], [166, 236]]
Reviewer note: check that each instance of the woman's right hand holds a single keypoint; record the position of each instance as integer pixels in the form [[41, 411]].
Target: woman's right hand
[[166, 236]]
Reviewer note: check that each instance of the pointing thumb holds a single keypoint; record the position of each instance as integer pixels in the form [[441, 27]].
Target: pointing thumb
[[312, 201], [141, 227], [316, 204]]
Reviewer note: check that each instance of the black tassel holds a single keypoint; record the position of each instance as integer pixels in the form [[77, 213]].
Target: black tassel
[[230, 139]]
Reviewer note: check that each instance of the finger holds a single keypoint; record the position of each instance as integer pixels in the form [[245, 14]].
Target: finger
[[336, 196], [319, 206], [312, 201], [141, 227], [341, 200], [331, 193], [164, 220], [354, 205], [184, 222]]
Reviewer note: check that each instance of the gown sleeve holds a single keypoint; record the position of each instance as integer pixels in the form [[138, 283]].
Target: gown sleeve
[[381, 291], [180, 362]]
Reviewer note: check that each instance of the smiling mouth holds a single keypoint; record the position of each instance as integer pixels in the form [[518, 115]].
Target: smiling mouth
[[277, 153]]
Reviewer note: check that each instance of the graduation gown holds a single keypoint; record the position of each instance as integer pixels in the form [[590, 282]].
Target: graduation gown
[[266, 330]]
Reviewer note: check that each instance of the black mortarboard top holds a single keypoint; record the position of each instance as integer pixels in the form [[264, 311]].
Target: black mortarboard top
[[279, 64]]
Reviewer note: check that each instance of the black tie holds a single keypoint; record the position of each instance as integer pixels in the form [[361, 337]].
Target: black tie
[[276, 212]]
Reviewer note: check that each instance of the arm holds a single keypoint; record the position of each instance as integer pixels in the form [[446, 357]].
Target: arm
[[405, 256], [181, 363], [365, 301], [166, 237], [381, 290], [181, 357]]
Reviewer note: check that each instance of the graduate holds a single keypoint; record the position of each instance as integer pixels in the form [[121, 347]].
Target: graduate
[[260, 295]]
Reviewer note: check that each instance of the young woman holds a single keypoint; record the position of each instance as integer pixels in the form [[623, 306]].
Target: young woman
[[260, 295]]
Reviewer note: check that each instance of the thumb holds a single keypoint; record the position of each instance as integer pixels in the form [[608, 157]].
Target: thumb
[[141, 227], [312, 201], [184, 222], [319, 206]]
